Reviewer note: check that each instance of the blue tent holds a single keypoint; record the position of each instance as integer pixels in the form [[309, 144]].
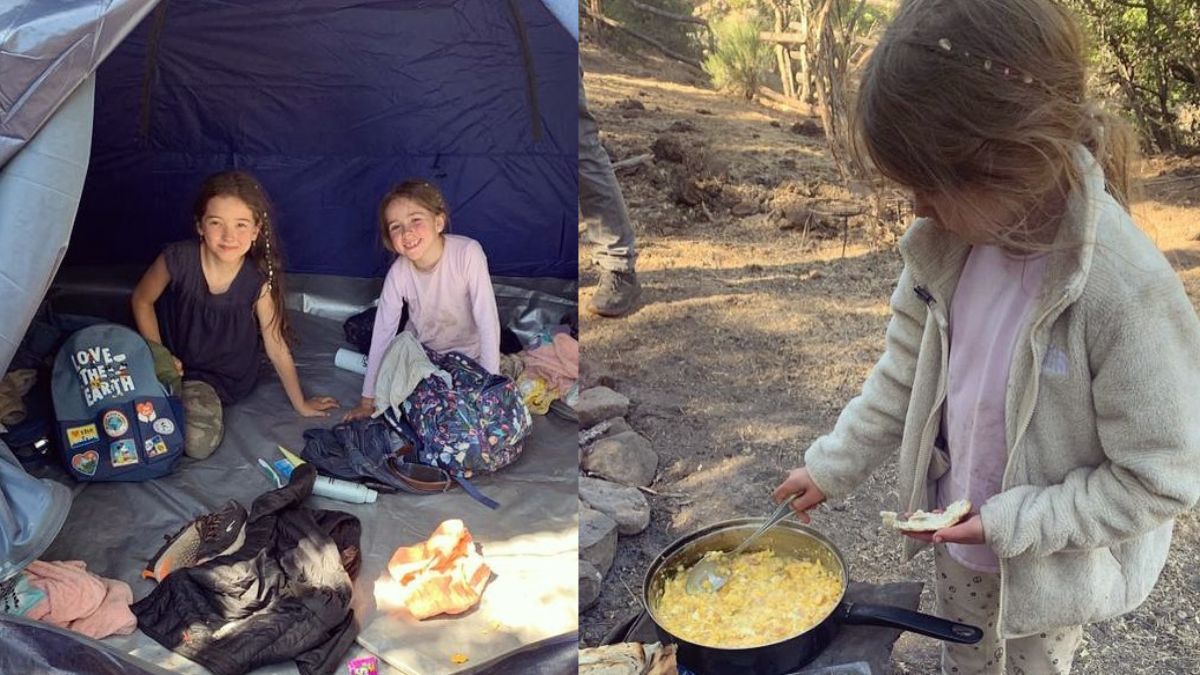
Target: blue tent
[[329, 106]]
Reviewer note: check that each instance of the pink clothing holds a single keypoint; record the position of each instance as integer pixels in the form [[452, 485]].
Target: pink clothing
[[451, 308], [990, 308], [557, 363], [79, 600]]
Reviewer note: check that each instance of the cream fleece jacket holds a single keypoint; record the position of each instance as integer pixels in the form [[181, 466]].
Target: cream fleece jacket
[[1102, 415]]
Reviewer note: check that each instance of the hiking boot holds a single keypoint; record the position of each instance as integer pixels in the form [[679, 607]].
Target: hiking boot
[[616, 294], [209, 536]]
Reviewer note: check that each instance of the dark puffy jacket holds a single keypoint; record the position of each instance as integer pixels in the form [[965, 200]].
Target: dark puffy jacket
[[284, 595]]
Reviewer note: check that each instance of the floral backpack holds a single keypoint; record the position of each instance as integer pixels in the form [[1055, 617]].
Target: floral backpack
[[474, 424]]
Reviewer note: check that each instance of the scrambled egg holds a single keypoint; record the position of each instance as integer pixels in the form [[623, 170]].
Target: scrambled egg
[[765, 599]]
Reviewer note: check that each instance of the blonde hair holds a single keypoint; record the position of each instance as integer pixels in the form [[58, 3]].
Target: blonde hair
[[986, 94]]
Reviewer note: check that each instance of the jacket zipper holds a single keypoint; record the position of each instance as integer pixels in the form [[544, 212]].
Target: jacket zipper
[[1022, 427], [926, 438]]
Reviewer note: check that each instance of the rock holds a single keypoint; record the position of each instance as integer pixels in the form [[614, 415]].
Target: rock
[[597, 539], [681, 126], [704, 111], [787, 163], [598, 404], [589, 584], [625, 458], [744, 209], [616, 426], [775, 123], [808, 128], [797, 218], [688, 192], [630, 104], [668, 149], [625, 505]]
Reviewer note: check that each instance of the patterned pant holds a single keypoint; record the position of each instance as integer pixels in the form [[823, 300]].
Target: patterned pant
[[971, 597]]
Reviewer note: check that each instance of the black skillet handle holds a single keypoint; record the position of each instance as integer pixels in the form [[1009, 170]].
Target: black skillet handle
[[906, 619]]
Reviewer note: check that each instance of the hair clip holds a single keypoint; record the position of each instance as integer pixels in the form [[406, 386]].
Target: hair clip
[[946, 48]]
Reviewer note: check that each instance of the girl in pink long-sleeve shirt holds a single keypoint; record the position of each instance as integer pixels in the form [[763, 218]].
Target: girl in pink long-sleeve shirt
[[442, 277]]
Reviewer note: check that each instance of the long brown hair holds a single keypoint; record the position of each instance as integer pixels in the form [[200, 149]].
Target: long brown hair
[[424, 193], [264, 252], [987, 94]]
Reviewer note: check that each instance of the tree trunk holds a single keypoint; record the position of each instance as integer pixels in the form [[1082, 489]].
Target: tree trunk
[[781, 56], [596, 11], [806, 93]]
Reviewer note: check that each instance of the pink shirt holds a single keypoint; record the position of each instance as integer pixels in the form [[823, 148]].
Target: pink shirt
[[989, 309], [450, 308]]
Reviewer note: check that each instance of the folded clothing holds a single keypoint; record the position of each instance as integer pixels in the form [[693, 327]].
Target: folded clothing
[[79, 600], [443, 575], [557, 362]]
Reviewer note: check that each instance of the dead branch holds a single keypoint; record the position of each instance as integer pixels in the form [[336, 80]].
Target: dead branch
[[777, 98], [782, 38], [612, 23], [668, 15], [632, 161]]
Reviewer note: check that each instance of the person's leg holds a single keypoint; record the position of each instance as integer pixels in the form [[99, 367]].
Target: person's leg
[[204, 426], [603, 208], [1050, 652], [969, 597]]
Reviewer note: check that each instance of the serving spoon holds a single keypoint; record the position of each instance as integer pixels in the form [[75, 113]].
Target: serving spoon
[[709, 575]]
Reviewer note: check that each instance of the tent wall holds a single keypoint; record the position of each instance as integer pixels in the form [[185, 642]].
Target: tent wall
[[329, 104], [46, 50], [39, 191]]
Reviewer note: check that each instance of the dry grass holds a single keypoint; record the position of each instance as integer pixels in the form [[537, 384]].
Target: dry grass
[[750, 340]]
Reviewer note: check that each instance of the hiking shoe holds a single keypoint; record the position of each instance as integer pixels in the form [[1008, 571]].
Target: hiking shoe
[[209, 536], [616, 294]]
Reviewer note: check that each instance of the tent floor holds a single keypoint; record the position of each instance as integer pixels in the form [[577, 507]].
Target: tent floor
[[531, 542]]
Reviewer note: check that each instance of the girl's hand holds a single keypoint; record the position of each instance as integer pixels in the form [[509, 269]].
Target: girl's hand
[[969, 531], [317, 405], [799, 482], [363, 410], [178, 366]]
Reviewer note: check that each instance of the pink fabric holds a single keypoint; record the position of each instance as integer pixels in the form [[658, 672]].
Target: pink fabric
[[988, 312], [81, 601], [557, 363], [450, 308]]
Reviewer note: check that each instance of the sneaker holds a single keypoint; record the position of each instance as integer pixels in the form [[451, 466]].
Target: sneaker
[[209, 536], [616, 294]]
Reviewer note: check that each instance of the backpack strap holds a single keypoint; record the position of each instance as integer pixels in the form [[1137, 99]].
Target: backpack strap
[[474, 492]]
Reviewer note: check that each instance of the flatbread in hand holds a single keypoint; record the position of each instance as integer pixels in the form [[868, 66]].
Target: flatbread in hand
[[922, 521]]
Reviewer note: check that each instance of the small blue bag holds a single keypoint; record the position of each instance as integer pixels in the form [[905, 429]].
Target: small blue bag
[[116, 421]]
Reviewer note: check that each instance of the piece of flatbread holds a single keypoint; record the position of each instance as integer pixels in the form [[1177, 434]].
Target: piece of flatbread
[[922, 521], [623, 658]]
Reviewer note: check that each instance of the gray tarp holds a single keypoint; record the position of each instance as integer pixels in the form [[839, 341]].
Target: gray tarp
[[531, 542], [39, 193]]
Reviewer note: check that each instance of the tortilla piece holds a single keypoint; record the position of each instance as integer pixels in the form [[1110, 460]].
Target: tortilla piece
[[922, 521], [623, 658]]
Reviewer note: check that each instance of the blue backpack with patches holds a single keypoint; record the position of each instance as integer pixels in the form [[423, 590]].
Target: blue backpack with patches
[[116, 421]]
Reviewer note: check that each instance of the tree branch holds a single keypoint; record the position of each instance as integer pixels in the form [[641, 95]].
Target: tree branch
[[612, 23], [668, 15]]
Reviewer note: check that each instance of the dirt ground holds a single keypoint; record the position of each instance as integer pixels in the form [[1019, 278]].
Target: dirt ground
[[751, 337]]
